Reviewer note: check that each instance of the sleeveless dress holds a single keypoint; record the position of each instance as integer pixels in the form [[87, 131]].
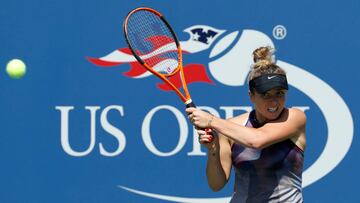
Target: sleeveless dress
[[273, 174]]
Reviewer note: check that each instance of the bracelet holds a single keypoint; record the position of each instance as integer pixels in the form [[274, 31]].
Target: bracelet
[[210, 120]]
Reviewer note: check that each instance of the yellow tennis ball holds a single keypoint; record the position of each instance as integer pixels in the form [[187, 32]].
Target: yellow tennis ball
[[16, 68]]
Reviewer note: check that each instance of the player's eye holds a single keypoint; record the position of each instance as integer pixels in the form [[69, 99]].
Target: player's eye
[[265, 96], [280, 93]]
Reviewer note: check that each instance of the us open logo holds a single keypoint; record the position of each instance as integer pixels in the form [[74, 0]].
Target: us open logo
[[229, 48]]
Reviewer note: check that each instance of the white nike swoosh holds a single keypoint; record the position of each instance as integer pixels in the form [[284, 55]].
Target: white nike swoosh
[[271, 77]]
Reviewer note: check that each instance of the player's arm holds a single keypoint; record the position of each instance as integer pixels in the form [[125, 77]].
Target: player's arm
[[219, 163], [292, 123]]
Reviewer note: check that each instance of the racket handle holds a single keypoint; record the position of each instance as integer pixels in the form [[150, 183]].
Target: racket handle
[[192, 104]]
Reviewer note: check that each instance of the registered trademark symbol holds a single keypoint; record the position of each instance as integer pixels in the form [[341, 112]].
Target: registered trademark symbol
[[279, 32]]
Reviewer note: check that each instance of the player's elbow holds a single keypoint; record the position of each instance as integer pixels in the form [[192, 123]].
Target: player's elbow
[[215, 188], [216, 185], [257, 146], [256, 143]]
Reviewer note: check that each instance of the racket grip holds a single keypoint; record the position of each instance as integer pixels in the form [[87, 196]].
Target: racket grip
[[192, 104]]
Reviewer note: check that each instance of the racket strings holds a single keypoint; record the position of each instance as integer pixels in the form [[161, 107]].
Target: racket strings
[[153, 42]]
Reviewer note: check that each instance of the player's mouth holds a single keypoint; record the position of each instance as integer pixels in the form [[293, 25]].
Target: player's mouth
[[272, 110]]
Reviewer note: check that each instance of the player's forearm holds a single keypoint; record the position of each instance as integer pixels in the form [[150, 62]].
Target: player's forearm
[[248, 137], [215, 174]]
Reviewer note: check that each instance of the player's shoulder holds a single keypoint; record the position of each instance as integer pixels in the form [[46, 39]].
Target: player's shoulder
[[297, 114]]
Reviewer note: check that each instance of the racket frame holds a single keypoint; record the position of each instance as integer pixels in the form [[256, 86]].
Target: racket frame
[[185, 98]]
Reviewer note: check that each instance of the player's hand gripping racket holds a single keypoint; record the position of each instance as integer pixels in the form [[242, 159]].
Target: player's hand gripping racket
[[154, 44]]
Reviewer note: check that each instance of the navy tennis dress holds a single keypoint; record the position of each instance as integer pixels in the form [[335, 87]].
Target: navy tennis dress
[[272, 174]]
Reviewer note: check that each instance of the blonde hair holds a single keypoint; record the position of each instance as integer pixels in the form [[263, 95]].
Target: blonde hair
[[264, 63]]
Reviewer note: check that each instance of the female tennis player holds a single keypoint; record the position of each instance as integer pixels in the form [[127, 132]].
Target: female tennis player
[[265, 146]]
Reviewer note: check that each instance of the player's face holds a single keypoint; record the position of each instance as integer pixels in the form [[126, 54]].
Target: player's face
[[269, 105]]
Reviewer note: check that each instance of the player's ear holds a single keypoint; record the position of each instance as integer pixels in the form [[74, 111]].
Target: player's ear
[[251, 95]]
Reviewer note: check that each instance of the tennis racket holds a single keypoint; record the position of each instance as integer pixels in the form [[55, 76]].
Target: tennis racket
[[155, 46]]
